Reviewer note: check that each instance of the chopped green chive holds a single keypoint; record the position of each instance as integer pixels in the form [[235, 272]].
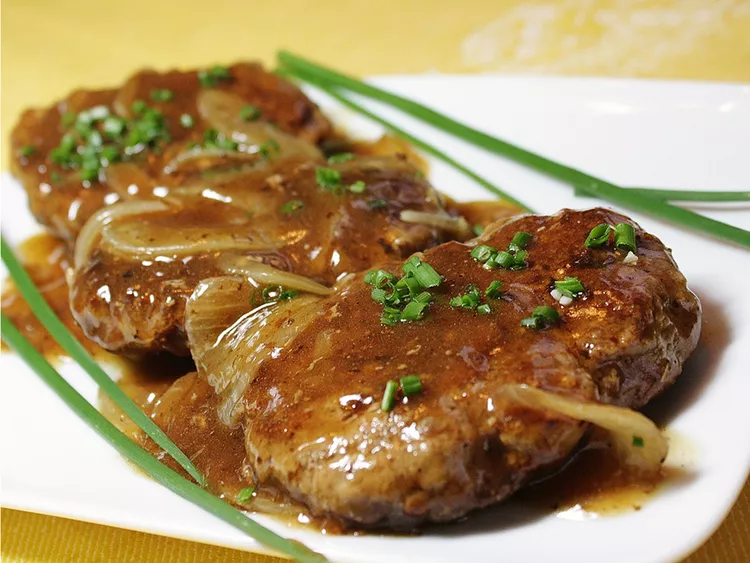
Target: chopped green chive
[[186, 120], [541, 317], [598, 236], [411, 385], [245, 495], [484, 309], [570, 287], [27, 150], [249, 113], [162, 95], [477, 229], [328, 178], [389, 396], [493, 290], [377, 203], [291, 207], [519, 242], [625, 237], [358, 187], [482, 253], [469, 300], [403, 299], [638, 441], [413, 311], [422, 271], [211, 77], [340, 157]]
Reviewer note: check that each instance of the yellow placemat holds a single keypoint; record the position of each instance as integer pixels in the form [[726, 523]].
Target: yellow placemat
[[51, 47]]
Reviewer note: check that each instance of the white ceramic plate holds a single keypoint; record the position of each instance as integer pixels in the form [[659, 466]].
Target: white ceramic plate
[[634, 133]]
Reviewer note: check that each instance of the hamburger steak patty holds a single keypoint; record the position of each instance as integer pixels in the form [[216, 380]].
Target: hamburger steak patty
[[306, 377], [63, 200], [131, 277]]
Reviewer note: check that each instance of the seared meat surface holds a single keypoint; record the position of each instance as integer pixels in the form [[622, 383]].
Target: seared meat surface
[[306, 377], [62, 154], [137, 262]]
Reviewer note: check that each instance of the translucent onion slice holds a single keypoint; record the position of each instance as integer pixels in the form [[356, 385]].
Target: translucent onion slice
[[223, 110], [192, 155], [129, 181], [230, 341], [458, 226], [90, 232], [639, 443], [268, 275]]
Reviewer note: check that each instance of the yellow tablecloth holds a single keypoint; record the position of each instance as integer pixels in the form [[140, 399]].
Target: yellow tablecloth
[[50, 47]]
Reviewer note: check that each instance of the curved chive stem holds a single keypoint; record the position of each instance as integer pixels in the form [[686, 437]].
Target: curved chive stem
[[426, 147], [683, 195], [625, 237], [68, 342], [144, 460], [329, 79], [570, 287]]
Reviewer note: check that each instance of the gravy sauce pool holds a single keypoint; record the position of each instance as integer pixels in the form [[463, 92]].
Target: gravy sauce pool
[[593, 484]]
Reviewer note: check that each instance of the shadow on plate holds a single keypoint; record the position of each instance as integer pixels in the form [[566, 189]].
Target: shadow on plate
[[700, 369]]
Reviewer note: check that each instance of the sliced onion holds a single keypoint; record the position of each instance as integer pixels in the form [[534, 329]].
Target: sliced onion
[[638, 441], [230, 341], [143, 241], [223, 110], [268, 275], [192, 155], [97, 223], [128, 181], [454, 225]]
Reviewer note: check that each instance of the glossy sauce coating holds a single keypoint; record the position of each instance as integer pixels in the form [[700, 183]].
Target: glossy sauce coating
[[62, 202], [313, 422]]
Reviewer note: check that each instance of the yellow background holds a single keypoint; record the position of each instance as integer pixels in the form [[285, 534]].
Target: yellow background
[[51, 47]]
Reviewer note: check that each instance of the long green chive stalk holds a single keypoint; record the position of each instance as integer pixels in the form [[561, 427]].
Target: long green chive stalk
[[426, 147], [304, 69], [62, 335], [144, 460], [684, 195]]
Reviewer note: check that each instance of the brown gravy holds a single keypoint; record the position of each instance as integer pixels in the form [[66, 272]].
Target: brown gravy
[[166, 388]]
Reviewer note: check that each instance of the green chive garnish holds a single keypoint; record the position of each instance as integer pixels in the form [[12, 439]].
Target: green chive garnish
[[358, 187], [541, 317], [477, 230], [162, 95], [340, 157], [245, 495], [211, 77], [422, 271], [570, 287], [186, 120], [249, 113], [482, 253], [484, 309], [638, 441], [389, 396], [411, 385], [598, 236], [328, 178], [519, 242], [625, 237], [413, 311], [291, 207], [27, 150], [493, 290]]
